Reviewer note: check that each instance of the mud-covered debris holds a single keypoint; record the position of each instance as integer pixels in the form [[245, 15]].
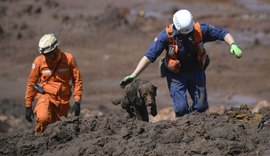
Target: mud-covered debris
[[193, 134], [265, 121], [242, 113]]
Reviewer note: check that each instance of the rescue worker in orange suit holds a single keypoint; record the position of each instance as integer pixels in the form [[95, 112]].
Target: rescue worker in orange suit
[[185, 60], [49, 81]]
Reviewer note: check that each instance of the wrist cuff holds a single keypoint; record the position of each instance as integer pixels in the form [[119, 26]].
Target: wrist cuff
[[133, 75], [28, 104], [77, 98]]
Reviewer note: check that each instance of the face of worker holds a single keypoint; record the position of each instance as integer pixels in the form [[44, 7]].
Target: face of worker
[[186, 35], [182, 36], [51, 56]]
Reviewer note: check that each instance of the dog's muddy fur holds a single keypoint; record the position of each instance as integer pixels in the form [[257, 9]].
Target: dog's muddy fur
[[137, 97]]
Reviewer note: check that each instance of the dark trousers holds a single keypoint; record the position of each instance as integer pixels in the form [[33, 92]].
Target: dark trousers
[[195, 83]]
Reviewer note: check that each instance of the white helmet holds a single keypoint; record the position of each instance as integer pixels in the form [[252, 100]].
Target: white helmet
[[47, 43], [183, 21]]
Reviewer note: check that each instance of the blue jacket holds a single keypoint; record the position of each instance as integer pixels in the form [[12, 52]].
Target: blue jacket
[[187, 53]]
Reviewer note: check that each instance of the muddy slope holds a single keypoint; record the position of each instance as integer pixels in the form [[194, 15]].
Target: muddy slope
[[234, 133]]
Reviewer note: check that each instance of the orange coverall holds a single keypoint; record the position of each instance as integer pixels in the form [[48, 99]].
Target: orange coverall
[[55, 102]]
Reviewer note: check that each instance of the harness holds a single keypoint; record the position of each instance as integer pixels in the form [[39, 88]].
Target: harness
[[171, 60]]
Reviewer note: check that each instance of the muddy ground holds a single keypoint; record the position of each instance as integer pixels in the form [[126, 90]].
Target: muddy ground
[[235, 133], [108, 38]]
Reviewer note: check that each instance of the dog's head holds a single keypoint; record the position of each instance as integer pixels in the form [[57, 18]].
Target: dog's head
[[148, 93], [139, 94]]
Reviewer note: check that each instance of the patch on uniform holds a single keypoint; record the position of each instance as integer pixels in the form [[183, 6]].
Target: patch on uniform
[[46, 71], [155, 40], [33, 66]]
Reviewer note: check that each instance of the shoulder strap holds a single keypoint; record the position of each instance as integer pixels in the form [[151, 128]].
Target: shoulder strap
[[53, 72], [197, 33]]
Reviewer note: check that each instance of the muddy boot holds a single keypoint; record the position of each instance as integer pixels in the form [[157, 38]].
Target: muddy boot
[[178, 114]]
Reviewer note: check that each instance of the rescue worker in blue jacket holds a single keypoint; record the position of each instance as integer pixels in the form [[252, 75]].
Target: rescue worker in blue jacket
[[185, 60]]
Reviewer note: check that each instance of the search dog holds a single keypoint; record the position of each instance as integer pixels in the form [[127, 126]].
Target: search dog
[[137, 97]]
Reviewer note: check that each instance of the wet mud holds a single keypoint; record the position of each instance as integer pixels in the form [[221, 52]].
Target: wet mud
[[233, 133]]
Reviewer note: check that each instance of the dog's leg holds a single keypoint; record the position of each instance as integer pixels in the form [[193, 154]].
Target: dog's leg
[[138, 113], [130, 111], [153, 110], [142, 113]]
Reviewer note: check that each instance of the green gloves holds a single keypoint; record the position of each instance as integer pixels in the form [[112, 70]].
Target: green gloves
[[236, 51], [127, 80]]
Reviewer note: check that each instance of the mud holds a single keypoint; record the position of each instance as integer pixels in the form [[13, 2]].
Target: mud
[[108, 38], [193, 134]]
